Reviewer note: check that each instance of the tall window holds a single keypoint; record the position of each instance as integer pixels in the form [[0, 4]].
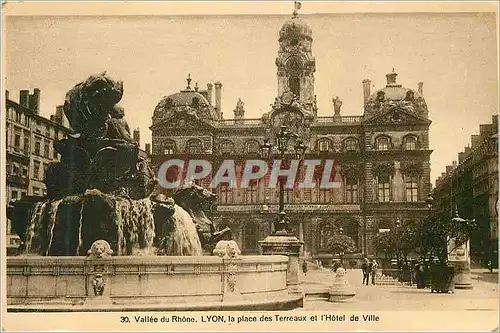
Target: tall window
[[323, 145], [384, 188], [250, 236], [252, 193], [226, 147], [46, 148], [194, 147], [351, 189], [26, 146], [383, 143], [37, 147], [225, 194], [410, 143], [351, 145], [324, 195], [411, 188], [169, 148], [17, 140], [18, 116], [36, 170]]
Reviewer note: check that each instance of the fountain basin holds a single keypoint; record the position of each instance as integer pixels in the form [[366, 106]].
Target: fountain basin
[[135, 283]]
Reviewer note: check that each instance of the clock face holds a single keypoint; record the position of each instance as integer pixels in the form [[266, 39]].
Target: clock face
[[294, 65], [292, 120]]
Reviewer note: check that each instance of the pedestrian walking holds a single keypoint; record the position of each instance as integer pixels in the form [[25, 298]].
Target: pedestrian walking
[[304, 267], [365, 267], [374, 270]]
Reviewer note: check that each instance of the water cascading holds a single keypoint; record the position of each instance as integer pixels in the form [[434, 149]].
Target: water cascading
[[33, 241]]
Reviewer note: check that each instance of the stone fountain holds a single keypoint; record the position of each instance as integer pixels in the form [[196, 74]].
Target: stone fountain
[[102, 241]]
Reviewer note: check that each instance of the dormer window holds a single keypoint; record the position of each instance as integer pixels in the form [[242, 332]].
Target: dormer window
[[383, 143], [410, 143]]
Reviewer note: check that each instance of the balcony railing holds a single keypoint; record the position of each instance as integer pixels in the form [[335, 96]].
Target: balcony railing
[[240, 122], [340, 120]]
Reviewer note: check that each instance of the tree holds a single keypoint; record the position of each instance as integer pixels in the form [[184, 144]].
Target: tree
[[385, 242], [338, 244], [438, 235]]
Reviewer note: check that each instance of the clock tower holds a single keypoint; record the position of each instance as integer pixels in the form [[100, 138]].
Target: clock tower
[[295, 63]]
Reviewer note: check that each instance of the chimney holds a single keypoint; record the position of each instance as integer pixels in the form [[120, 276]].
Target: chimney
[[34, 101], [148, 148], [421, 88], [461, 156], [475, 140], [6, 94], [448, 169], [209, 92], [218, 96], [454, 164], [24, 96], [59, 116], [494, 122], [485, 130], [137, 136], [366, 90], [467, 151]]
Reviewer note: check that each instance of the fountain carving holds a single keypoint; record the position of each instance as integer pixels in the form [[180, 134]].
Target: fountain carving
[[102, 189]]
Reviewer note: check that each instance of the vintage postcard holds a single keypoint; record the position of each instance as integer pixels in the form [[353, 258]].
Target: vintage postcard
[[250, 166]]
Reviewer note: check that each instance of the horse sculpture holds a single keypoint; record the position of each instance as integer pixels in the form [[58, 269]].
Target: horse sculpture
[[181, 224]]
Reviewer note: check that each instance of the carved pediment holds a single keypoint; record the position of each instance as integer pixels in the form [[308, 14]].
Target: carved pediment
[[395, 115], [412, 168], [187, 120], [383, 168]]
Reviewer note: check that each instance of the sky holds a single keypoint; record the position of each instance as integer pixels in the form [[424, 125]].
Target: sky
[[454, 54]]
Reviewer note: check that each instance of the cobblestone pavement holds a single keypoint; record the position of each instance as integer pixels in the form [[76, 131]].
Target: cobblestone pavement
[[480, 303]]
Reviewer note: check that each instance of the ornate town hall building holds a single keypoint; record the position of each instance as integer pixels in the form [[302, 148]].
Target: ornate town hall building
[[381, 157]]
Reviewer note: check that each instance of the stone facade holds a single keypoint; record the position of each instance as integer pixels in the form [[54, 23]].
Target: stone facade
[[471, 186], [29, 148], [381, 156]]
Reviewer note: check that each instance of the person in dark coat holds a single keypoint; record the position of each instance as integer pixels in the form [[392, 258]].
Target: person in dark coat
[[365, 267], [304, 267]]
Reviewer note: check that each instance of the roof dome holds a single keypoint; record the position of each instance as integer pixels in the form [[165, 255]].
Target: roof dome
[[295, 28], [188, 100], [394, 91]]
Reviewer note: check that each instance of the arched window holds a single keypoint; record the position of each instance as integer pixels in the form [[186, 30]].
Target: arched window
[[383, 143], [252, 147], [351, 145], [169, 148], [194, 146], [323, 145], [410, 143], [384, 188], [226, 147], [411, 188]]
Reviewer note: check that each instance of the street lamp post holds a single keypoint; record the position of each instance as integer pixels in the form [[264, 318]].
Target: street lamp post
[[341, 253], [398, 242], [461, 260], [282, 139], [281, 241]]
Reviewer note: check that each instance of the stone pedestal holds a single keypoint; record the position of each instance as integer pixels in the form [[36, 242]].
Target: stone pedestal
[[463, 278], [341, 290], [290, 246]]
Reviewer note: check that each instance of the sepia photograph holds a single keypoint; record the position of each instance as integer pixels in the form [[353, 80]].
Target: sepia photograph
[[250, 166]]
